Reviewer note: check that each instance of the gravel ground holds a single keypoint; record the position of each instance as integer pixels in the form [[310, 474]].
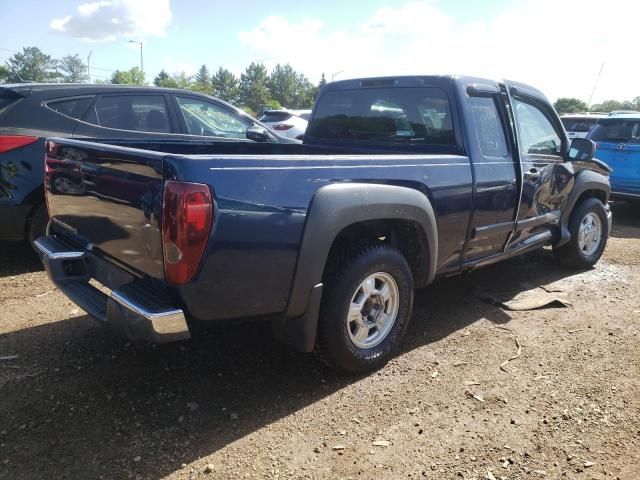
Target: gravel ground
[[78, 402]]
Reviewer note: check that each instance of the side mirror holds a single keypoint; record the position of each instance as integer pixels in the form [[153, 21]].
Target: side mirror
[[582, 150], [257, 134]]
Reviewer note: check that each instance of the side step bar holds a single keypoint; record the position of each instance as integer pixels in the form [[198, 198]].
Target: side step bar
[[132, 307]]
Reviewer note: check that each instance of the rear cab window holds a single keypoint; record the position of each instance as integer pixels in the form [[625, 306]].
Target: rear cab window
[[414, 116], [616, 130], [141, 113]]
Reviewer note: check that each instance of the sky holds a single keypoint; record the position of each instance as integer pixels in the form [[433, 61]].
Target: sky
[[558, 46]]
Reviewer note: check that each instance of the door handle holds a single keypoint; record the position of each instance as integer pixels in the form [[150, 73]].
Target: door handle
[[533, 174]]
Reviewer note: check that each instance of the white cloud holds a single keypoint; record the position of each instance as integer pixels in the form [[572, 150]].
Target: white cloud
[[107, 20], [555, 46]]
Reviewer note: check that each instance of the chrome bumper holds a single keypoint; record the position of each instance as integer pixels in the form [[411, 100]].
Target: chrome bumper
[[130, 305]]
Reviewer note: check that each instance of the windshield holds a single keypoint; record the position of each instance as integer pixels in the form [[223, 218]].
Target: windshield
[[578, 124], [616, 130]]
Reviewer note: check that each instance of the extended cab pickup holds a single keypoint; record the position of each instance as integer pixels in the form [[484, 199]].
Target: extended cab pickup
[[399, 181]]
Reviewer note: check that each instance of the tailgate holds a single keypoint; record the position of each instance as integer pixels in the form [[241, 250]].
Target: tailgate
[[108, 199]]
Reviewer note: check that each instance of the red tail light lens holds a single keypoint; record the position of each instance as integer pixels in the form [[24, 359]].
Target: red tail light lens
[[187, 217], [282, 126], [11, 142]]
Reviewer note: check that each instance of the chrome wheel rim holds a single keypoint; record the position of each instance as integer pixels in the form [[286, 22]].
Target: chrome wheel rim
[[589, 234], [373, 310]]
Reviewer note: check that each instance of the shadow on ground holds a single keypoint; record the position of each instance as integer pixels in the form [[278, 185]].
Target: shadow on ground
[[17, 258], [626, 219], [81, 403]]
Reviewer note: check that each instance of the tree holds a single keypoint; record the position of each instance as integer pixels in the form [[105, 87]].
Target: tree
[[34, 65], [202, 80], [5, 74], [133, 76], [164, 80], [254, 92], [224, 85], [570, 105], [283, 85], [182, 80], [609, 106], [73, 69], [323, 81]]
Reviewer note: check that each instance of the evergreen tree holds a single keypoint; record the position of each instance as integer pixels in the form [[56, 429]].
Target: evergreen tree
[[225, 85], [202, 80], [254, 92]]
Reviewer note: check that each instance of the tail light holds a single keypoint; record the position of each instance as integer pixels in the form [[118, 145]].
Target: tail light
[[282, 126], [11, 142], [187, 217]]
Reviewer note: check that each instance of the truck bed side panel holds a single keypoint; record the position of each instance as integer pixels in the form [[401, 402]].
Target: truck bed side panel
[[261, 207]]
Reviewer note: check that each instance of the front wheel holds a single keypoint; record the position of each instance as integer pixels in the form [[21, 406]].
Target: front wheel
[[589, 232], [365, 310]]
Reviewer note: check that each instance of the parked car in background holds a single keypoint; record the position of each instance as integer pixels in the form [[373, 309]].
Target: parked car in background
[[31, 112], [578, 125], [617, 139], [290, 123]]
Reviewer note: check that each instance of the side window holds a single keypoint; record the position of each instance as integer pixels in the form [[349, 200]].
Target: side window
[[488, 127], [207, 119], [140, 113], [536, 133], [73, 107]]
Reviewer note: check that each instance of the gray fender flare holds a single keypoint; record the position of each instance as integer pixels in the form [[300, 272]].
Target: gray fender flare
[[585, 180], [333, 208]]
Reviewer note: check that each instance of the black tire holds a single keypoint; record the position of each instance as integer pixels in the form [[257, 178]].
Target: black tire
[[570, 254], [335, 346], [37, 226]]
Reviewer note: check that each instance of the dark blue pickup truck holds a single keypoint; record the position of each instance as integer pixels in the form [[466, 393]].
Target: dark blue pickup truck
[[399, 181]]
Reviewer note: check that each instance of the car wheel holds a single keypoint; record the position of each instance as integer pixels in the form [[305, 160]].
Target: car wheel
[[365, 310], [589, 232], [37, 226]]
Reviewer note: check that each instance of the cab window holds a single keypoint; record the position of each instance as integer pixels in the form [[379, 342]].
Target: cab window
[[486, 119]]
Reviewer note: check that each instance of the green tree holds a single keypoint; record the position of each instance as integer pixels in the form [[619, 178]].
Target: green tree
[[225, 85], [283, 85], [164, 80], [254, 92], [182, 80], [5, 74], [32, 64], [608, 106], [202, 80], [73, 69], [569, 105], [133, 76]]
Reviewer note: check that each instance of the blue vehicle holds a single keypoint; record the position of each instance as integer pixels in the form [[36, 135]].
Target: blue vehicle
[[399, 181], [617, 138]]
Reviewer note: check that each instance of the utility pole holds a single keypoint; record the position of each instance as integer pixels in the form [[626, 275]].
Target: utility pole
[[334, 75], [89, 65], [141, 64]]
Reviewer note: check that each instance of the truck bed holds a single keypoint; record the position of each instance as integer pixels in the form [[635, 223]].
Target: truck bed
[[113, 201]]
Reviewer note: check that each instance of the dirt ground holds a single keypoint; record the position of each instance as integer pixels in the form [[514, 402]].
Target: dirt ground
[[78, 402]]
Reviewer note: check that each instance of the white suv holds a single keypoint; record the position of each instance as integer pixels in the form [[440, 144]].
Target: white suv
[[578, 125], [288, 123]]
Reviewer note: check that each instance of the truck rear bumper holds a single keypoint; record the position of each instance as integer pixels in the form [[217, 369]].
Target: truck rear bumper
[[129, 305]]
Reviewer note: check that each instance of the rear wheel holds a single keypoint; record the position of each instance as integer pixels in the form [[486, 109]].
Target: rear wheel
[[589, 232], [37, 223], [366, 306]]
